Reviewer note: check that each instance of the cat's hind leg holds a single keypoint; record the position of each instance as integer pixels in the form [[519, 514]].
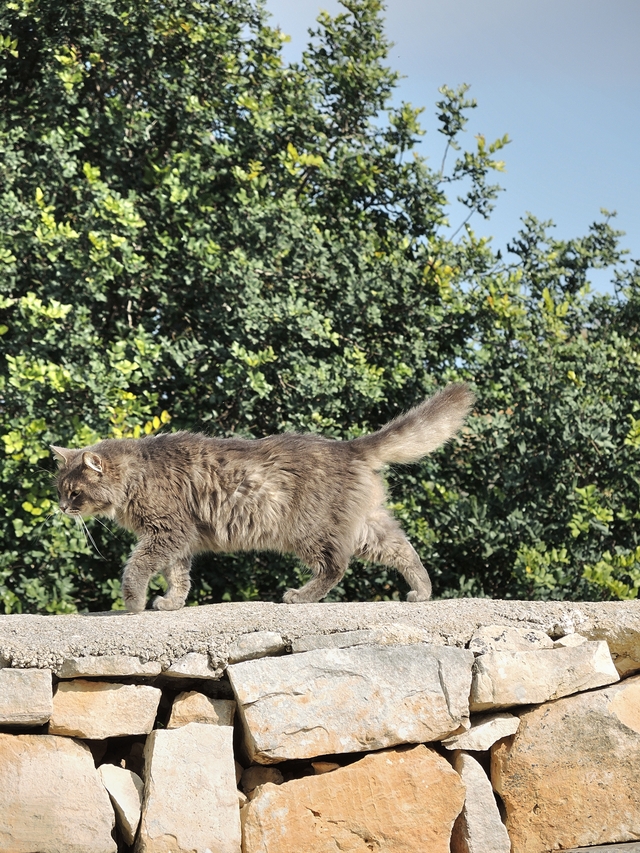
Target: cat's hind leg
[[177, 574], [328, 565], [383, 541], [149, 557]]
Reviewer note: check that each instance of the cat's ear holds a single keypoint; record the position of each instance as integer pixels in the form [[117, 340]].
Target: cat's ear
[[62, 454], [92, 460]]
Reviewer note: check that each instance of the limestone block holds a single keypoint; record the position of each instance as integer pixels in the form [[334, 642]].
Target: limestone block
[[193, 665], [194, 707], [258, 774], [334, 701], [324, 766], [491, 638], [96, 709], [51, 797], [396, 801], [190, 796], [479, 827], [569, 777], [256, 645], [505, 679], [485, 730], [25, 697], [125, 789], [102, 665], [569, 640]]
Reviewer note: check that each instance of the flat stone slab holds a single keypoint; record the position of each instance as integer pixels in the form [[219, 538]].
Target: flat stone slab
[[125, 789], [47, 641], [485, 730], [256, 645], [510, 678], [334, 701], [107, 665], [395, 801], [569, 776], [194, 707], [479, 828], [190, 793], [51, 797], [98, 710], [26, 697]]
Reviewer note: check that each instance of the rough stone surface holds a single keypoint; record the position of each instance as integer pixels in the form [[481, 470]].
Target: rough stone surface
[[479, 828], [97, 710], [507, 638], [25, 697], [569, 641], [103, 665], [485, 730], [256, 645], [46, 641], [125, 789], [397, 801], [388, 635], [333, 701], [193, 665], [51, 797], [569, 777], [195, 707], [257, 775], [506, 679], [190, 796], [324, 766]]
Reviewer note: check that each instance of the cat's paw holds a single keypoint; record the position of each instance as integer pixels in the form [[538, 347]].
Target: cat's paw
[[163, 602], [135, 605], [415, 595], [292, 596]]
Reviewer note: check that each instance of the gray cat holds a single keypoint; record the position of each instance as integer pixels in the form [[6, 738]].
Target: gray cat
[[321, 499]]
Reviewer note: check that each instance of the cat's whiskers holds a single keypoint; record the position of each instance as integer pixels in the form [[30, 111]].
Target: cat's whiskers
[[106, 526], [80, 522]]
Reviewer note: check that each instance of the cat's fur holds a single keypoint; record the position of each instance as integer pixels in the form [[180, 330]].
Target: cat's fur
[[320, 499]]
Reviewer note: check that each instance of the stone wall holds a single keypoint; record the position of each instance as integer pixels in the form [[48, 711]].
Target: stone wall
[[461, 727]]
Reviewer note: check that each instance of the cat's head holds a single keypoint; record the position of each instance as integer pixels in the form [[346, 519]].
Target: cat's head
[[85, 484]]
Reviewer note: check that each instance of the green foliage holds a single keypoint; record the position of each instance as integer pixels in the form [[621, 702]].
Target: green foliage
[[192, 231]]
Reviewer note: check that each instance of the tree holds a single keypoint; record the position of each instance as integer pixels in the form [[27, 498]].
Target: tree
[[196, 235]]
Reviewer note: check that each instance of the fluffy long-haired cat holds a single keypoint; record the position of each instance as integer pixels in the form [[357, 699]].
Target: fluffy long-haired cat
[[321, 499]]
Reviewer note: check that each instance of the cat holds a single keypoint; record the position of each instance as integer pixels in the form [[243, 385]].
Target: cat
[[321, 499]]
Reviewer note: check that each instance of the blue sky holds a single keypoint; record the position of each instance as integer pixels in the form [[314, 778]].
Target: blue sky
[[561, 77]]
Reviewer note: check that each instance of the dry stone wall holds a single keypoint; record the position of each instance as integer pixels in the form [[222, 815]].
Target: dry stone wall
[[495, 738]]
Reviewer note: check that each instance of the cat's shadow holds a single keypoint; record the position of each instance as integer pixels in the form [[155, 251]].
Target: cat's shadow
[[109, 613]]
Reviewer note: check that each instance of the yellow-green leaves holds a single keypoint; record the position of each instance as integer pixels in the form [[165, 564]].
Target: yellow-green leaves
[[632, 438], [9, 45], [296, 162], [254, 360], [72, 71], [591, 513], [618, 574]]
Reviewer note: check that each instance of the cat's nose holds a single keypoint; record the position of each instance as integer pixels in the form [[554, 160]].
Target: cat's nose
[[63, 504]]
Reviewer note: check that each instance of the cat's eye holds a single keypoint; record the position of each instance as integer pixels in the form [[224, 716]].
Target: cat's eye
[[74, 494]]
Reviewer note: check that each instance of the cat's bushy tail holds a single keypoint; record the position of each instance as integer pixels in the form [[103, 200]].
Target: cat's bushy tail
[[411, 436]]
